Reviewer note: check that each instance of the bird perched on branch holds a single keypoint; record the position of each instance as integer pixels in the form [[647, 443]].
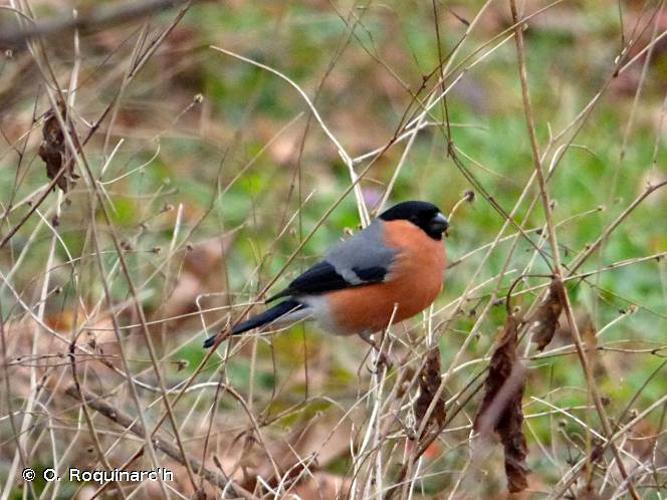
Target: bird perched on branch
[[385, 273]]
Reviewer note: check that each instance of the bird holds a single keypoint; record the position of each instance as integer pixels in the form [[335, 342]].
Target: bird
[[388, 272]]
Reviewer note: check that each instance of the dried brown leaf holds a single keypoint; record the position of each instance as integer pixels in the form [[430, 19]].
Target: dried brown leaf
[[589, 336], [54, 152], [501, 407], [429, 383], [543, 323]]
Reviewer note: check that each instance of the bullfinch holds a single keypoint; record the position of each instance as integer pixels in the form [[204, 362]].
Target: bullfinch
[[385, 273]]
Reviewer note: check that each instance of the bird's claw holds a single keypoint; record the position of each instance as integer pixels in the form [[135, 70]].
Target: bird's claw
[[381, 361]]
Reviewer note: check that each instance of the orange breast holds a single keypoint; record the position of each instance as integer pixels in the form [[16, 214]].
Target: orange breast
[[414, 283]]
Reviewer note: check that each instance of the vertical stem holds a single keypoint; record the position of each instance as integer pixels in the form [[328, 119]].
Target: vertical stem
[[553, 241]]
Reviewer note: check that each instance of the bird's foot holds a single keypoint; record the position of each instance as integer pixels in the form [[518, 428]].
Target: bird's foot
[[383, 360]]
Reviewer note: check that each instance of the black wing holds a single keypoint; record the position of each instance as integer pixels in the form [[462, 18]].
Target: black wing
[[323, 277]]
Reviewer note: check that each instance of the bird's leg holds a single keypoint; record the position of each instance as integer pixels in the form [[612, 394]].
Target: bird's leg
[[383, 359]]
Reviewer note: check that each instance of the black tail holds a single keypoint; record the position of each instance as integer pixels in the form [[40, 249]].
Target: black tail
[[261, 319]]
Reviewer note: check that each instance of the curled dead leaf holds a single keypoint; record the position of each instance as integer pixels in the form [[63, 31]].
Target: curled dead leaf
[[54, 152], [544, 321], [501, 407], [429, 383], [589, 336]]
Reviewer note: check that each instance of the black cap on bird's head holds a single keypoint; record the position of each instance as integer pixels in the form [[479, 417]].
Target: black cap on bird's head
[[422, 214]]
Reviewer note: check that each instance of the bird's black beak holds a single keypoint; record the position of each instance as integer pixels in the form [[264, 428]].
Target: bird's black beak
[[439, 224]]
